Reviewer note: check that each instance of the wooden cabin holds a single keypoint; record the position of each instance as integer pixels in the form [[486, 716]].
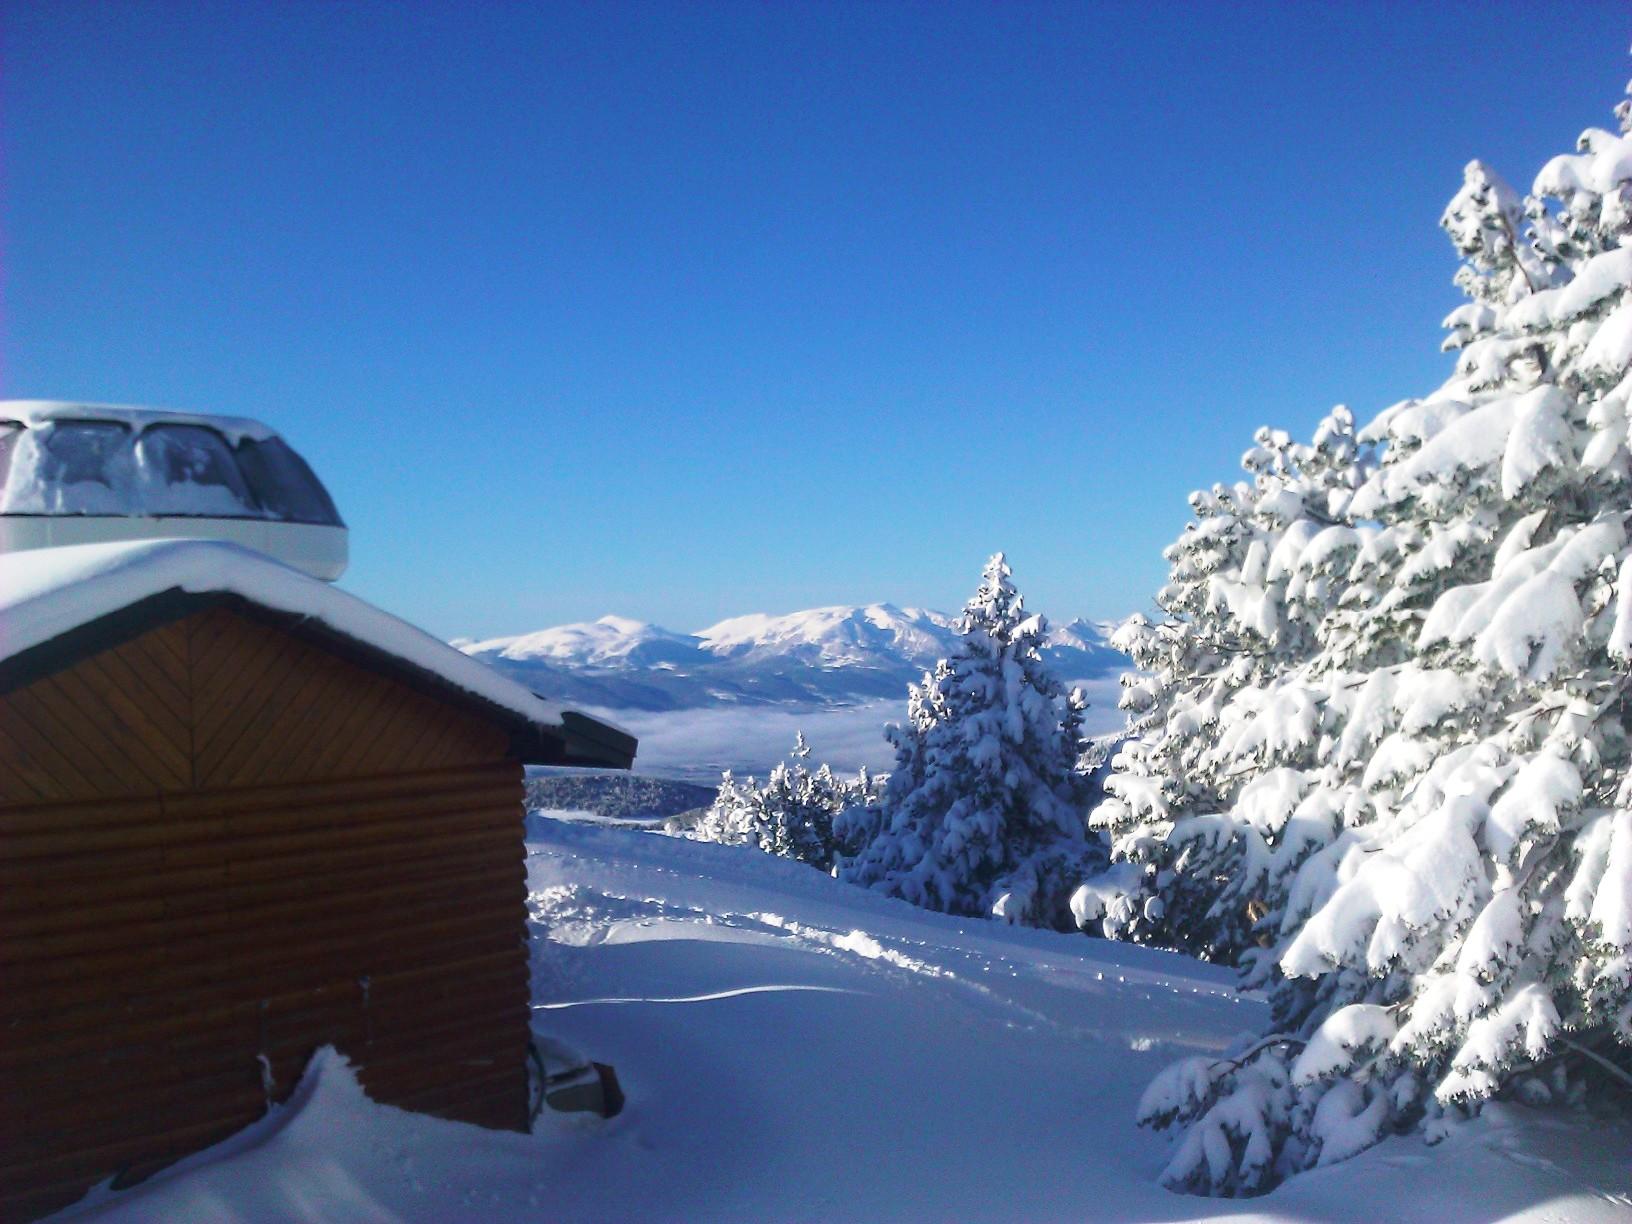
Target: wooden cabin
[[244, 815]]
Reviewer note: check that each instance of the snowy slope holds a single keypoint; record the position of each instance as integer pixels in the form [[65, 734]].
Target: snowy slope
[[837, 655], [794, 1049]]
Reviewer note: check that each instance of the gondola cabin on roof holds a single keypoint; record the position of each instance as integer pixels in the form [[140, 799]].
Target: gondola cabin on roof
[[94, 473], [244, 815]]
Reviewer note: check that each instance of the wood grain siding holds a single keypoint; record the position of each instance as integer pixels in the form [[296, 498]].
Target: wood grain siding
[[221, 847]]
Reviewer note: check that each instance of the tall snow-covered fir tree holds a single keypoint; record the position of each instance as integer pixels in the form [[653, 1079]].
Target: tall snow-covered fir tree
[[1381, 755], [792, 814], [983, 811]]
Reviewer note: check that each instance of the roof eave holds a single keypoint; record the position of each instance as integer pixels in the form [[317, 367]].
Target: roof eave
[[577, 740]]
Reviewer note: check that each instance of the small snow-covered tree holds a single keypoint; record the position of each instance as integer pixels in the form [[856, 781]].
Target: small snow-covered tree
[[731, 815], [855, 823], [792, 815], [1380, 754], [983, 812]]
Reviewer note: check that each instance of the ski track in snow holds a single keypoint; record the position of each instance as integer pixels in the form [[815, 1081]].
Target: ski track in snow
[[562, 912], [711, 997]]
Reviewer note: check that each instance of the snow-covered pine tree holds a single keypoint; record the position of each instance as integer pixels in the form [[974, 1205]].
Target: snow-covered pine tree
[[855, 824], [983, 812], [792, 815], [1252, 580], [732, 814], [1397, 789]]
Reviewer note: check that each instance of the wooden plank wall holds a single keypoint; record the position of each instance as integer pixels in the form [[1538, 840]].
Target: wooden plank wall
[[222, 847]]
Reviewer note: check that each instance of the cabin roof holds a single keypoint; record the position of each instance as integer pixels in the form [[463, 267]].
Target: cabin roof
[[59, 604]]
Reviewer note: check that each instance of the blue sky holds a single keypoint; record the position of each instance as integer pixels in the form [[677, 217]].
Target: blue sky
[[687, 310]]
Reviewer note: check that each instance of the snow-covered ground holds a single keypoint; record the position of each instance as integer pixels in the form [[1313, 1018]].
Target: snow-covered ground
[[794, 1048]]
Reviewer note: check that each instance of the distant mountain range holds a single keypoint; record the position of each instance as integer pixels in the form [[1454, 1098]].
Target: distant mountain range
[[825, 656]]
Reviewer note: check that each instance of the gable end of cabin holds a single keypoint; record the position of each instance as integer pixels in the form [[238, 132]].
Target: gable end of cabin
[[228, 838]]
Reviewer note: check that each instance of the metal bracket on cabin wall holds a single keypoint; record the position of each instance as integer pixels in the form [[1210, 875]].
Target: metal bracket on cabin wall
[[568, 1082]]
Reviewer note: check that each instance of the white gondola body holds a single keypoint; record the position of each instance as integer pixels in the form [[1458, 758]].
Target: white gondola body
[[95, 473]]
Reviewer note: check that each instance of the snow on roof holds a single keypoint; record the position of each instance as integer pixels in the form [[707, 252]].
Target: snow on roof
[[39, 412], [46, 592]]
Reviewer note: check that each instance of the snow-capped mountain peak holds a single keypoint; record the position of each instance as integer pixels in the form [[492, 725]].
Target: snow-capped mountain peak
[[827, 655], [611, 641], [832, 637]]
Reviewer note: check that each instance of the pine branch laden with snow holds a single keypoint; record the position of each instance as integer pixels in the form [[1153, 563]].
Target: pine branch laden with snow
[[1254, 580], [799, 813], [1379, 754], [983, 811]]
